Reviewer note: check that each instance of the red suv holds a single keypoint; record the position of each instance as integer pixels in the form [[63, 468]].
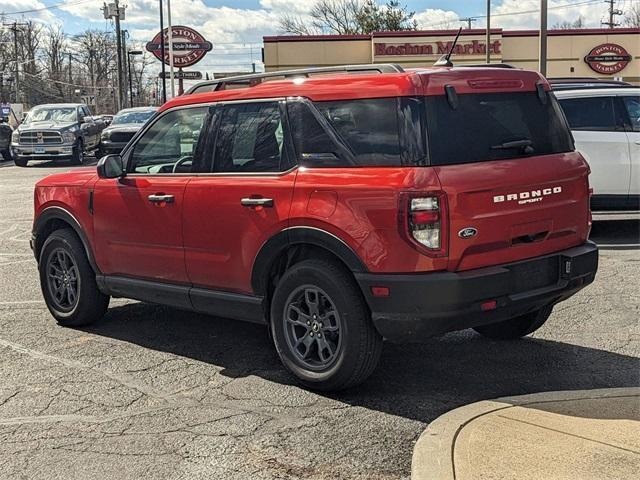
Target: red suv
[[338, 208]]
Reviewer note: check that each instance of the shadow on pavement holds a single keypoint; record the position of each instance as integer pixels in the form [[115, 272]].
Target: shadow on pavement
[[616, 234], [418, 382]]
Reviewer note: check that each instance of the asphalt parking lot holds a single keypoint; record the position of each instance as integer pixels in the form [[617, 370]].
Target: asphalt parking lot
[[153, 392]]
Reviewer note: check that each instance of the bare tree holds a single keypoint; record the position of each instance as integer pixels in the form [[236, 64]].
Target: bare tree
[[579, 23], [632, 18], [344, 17]]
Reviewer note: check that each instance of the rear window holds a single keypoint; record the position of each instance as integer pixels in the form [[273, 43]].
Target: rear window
[[593, 114], [494, 126]]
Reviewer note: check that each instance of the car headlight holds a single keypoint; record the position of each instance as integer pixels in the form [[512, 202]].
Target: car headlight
[[68, 137], [15, 137], [106, 134]]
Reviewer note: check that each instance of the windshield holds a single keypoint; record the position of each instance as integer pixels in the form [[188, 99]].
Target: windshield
[[495, 126], [132, 117], [52, 114]]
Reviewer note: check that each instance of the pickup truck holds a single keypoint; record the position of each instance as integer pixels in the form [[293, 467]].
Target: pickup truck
[[56, 132]]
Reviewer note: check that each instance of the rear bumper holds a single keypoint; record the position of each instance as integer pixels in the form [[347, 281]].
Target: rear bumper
[[423, 305]]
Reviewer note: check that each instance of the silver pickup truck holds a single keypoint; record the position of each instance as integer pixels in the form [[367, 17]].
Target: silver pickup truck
[[64, 131]]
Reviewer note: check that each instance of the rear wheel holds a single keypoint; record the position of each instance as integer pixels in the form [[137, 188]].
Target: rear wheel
[[516, 327], [68, 282], [321, 326]]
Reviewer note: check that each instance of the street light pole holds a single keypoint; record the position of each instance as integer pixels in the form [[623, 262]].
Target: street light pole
[[170, 35], [542, 65], [488, 36], [164, 81], [129, 53]]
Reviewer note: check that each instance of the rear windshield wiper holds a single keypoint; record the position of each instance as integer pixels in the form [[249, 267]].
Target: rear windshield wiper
[[525, 144]]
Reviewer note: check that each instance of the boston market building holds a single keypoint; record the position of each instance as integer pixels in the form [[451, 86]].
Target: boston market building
[[600, 53]]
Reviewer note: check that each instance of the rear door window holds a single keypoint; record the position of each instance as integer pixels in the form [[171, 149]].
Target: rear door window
[[251, 138], [592, 114], [494, 126], [632, 105]]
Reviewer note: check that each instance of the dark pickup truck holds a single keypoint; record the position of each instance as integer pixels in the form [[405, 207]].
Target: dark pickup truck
[[56, 132]]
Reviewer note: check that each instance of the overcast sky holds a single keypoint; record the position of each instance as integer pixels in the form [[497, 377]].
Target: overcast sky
[[232, 25]]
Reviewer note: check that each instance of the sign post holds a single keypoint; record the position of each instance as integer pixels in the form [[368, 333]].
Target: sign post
[[188, 48]]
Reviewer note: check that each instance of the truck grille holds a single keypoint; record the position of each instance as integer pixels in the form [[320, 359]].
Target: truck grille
[[121, 137], [40, 138]]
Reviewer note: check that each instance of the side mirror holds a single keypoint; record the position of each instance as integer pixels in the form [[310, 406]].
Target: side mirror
[[110, 166]]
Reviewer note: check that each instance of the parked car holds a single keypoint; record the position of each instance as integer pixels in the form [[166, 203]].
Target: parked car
[[605, 123], [124, 126], [108, 118], [336, 209], [5, 139], [63, 131]]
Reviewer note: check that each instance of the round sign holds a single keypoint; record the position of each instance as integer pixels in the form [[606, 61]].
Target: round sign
[[608, 58], [188, 46]]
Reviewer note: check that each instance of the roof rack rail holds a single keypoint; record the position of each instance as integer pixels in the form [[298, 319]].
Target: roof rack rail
[[583, 83], [255, 78], [486, 65]]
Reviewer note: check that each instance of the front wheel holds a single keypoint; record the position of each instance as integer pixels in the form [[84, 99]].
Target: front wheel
[[321, 326], [68, 282], [20, 162], [77, 155], [516, 327]]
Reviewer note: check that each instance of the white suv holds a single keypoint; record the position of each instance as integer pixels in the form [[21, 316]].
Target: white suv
[[605, 123]]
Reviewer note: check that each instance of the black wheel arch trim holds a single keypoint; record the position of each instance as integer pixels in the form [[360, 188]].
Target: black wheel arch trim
[[288, 237], [59, 213]]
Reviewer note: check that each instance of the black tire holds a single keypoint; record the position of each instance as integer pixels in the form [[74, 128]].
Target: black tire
[[20, 162], [516, 327], [6, 154], [356, 344], [77, 155], [90, 304]]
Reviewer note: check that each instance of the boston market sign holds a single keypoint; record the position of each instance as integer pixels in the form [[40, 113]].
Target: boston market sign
[[607, 58], [188, 46]]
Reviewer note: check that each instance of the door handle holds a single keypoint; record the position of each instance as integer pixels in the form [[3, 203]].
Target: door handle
[[257, 202], [637, 142], [160, 198]]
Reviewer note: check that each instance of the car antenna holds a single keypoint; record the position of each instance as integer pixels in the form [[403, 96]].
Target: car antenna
[[445, 60]]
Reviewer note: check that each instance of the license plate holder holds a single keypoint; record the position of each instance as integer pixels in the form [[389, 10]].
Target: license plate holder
[[39, 150]]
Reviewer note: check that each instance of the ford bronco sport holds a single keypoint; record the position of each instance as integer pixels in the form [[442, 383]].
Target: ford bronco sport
[[338, 208]]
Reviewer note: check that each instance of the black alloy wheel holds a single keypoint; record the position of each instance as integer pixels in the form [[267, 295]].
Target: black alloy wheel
[[312, 327], [63, 279]]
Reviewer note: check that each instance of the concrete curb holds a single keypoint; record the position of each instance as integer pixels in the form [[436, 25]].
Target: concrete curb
[[434, 450]]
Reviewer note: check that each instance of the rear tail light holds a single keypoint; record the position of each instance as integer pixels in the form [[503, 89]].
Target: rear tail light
[[424, 222]]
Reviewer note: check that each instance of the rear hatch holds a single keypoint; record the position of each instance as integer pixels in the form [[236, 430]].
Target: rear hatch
[[515, 187]]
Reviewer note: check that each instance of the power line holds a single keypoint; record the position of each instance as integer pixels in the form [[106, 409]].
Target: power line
[[613, 12], [50, 7]]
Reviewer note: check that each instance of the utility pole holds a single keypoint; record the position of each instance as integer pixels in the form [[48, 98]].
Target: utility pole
[[70, 79], [14, 28], [612, 14], [116, 12], [542, 60], [469, 21], [488, 39]]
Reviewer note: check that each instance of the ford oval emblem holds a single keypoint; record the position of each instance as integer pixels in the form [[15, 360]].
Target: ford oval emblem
[[468, 232]]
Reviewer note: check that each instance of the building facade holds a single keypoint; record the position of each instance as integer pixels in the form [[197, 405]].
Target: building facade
[[600, 53]]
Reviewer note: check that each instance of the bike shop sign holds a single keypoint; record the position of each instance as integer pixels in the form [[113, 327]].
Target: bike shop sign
[[608, 58], [189, 47]]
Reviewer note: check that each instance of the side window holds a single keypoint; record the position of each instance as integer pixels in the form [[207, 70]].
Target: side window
[[369, 127], [251, 138], [316, 146], [632, 105], [594, 113], [168, 146]]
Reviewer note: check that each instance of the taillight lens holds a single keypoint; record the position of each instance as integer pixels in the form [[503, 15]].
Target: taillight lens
[[425, 222]]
